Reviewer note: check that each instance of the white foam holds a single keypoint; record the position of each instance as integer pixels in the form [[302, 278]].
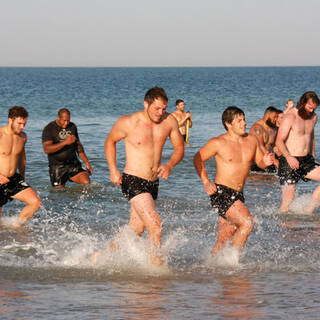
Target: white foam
[[11, 222], [228, 256], [300, 204]]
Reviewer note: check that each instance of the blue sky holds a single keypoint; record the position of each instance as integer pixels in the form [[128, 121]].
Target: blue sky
[[159, 33]]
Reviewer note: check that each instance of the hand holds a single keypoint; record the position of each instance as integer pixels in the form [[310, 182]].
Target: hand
[[164, 171], [116, 177], [293, 162], [189, 115], [3, 179], [211, 188], [70, 140], [268, 158], [90, 170]]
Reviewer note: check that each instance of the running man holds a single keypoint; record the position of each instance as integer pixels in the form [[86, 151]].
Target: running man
[[12, 157], [233, 152], [145, 133], [182, 118], [295, 141], [61, 143]]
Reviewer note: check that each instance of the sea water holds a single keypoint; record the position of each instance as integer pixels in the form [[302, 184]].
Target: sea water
[[46, 267]]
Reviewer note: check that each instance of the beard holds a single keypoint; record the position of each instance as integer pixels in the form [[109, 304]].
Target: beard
[[304, 114], [271, 124]]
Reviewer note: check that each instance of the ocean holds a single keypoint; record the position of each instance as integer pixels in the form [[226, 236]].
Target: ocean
[[46, 268]]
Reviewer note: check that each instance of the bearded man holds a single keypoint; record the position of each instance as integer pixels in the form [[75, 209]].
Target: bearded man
[[295, 140]]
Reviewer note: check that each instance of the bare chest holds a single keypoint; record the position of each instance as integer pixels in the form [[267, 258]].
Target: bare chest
[[303, 127], [237, 153], [143, 136], [11, 145]]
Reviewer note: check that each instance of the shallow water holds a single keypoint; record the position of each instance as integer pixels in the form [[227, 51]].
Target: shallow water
[[46, 268]]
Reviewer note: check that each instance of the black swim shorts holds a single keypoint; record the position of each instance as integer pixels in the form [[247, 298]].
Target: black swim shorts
[[132, 186], [290, 176], [61, 173], [224, 198], [14, 186], [270, 169]]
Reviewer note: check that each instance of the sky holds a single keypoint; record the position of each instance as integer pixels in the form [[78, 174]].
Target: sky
[[107, 33]]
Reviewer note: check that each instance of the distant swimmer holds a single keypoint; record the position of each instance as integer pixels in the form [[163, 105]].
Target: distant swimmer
[[60, 141], [289, 106], [265, 130], [184, 118], [233, 152], [296, 142], [13, 158], [145, 133]]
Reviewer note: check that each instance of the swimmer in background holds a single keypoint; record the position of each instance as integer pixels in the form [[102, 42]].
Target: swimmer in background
[[295, 141], [289, 106], [182, 118], [13, 158], [233, 152], [145, 133]]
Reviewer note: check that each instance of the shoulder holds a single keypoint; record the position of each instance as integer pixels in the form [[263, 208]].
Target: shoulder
[[50, 125]]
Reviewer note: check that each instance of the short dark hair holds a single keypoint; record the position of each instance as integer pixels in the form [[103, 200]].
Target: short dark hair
[[178, 101], [270, 109], [155, 93], [279, 111], [229, 114], [17, 112], [63, 110], [305, 97]]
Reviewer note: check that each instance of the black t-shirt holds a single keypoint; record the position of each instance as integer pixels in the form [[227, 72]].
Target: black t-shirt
[[53, 132]]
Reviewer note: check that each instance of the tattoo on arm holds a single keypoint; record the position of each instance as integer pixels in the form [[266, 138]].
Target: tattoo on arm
[[257, 131]]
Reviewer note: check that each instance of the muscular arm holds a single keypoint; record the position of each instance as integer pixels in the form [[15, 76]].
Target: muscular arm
[[258, 132], [178, 153], [209, 150], [83, 156], [22, 163], [50, 147], [263, 159], [117, 133]]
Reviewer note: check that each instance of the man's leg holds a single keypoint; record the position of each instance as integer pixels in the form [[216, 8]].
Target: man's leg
[[288, 193], [226, 230], [314, 175], [239, 215], [143, 206], [33, 202], [81, 178]]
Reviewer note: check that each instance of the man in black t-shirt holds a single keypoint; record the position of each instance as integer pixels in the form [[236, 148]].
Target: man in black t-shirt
[[61, 143]]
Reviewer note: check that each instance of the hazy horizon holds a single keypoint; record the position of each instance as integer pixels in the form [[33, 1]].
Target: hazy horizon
[[98, 33]]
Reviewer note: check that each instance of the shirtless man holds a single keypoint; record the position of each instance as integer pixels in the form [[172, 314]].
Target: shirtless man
[[145, 133], [182, 118], [12, 157], [295, 140], [265, 130], [60, 141], [289, 106], [233, 152]]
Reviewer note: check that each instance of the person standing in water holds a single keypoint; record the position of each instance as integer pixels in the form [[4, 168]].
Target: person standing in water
[[182, 118], [233, 152], [13, 158], [60, 141], [145, 133], [295, 141]]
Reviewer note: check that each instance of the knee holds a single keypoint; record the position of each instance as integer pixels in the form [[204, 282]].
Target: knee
[[36, 202], [247, 225]]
